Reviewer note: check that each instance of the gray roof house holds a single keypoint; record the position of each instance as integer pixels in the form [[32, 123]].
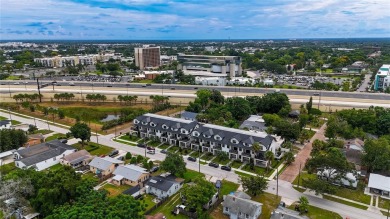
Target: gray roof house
[[130, 174], [206, 137], [254, 122], [163, 186], [42, 156], [239, 206], [104, 166], [285, 213]]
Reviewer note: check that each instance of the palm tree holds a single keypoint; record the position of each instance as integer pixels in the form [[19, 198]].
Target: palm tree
[[269, 156]]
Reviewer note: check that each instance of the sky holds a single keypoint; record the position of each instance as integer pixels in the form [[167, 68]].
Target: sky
[[201, 19]]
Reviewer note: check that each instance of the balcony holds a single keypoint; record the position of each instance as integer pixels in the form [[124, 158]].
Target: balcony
[[233, 151]]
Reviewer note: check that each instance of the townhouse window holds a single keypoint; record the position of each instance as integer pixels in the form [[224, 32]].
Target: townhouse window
[[246, 215], [227, 209]]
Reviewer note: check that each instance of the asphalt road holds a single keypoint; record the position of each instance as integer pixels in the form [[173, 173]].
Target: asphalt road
[[285, 188], [233, 90]]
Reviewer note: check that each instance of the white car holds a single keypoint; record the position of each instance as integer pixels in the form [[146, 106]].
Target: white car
[[16, 83]]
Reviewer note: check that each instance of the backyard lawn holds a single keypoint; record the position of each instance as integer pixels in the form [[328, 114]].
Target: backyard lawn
[[269, 201], [228, 187], [93, 148], [56, 136], [91, 176], [55, 167], [147, 200], [168, 206], [114, 190]]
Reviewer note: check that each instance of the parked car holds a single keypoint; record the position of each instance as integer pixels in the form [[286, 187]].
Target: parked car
[[151, 152], [218, 184], [150, 148], [148, 84], [191, 159], [16, 83], [172, 88], [71, 84], [154, 169], [163, 151], [227, 168], [63, 140], [141, 145], [113, 153], [122, 158], [211, 164]]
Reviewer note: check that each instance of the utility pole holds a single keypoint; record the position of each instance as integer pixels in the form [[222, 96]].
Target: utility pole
[[277, 182], [39, 91], [97, 137], [299, 175], [199, 157]]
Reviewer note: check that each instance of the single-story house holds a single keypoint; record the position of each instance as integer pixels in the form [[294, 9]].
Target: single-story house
[[7, 157], [77, 159], [5, 124], [34, 139], [104, 166], [356, 144], [163, 186], [350, 180], [240, 206], [254, 122], [285, 213], [379, 184], [43, 155], [130, 174], [188, 115]]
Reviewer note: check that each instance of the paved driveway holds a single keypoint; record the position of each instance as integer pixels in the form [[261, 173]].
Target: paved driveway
[[292, 171]]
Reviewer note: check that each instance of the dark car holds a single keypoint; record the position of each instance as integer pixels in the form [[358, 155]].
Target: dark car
[[211, 164], [150, 148], [163, 151], [122, 158], [113, 153], [172, 88], [154, 169], [227, 168], [196, 88], [109, 85], [191, 159], [141, 145], [148, 84], [63, 141]]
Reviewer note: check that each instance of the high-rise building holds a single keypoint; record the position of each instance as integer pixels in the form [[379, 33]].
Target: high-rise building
[[382, 78], [147, 57]]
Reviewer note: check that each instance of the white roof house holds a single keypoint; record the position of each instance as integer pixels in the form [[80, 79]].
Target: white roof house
[[130, 172], [379, 184], [104, 163], [349, 179]]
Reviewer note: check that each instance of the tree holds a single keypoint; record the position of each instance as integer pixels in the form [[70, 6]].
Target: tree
[[289, 157], [204, 97], [174, 164], [287, 130], [82, 131], [12, 139], [128, 156], [254, 185], [269, 156], [376, 154], [309, 105], [303, 204], [197, 195], [32, 129], [319, 186], [140, 158], [221, 155], [273, 103], [238, 107], [61, 114]]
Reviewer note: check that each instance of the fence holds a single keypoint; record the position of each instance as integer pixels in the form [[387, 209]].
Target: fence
[[162, 201]]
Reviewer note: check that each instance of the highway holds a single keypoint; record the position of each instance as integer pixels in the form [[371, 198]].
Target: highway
[[185, 93], [285, 188]]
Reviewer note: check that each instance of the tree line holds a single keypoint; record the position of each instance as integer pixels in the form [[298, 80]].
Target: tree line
[[64, 96], [12, 139], [27, 97]]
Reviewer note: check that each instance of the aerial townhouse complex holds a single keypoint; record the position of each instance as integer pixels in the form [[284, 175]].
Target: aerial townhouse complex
[[207, 137]]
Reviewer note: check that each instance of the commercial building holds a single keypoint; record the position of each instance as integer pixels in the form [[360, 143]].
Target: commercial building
[[382, 78], [147, 57], [207, 137], [218, 81], [219, 65]]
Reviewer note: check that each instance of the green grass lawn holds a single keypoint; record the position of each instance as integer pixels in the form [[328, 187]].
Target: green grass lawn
[[194, 154], [319, 213], [304, 176], [299, 189], [236, 164], [91, 176], [203, 163], [1, 215], [228, 187], [55, 167], [130, 138], [147, 201], [269, 201], [173, 149], [222, 162], [344, 202], [383, 203], [124, 142], [43, 131], [168, 206], [164, 146], [147, 81], [241, 173], [256, 170], [114, 190], [154, 143], [93, 148], [189, 175], [207, 156], [56, 136], [7, 168]]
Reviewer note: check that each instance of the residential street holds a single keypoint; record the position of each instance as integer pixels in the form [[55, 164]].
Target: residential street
[[285, 187]]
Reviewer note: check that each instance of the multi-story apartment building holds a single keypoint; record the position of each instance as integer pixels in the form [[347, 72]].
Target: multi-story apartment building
[[207, 137], [382, 78], [63, 61], [219, 65], [147, 57]]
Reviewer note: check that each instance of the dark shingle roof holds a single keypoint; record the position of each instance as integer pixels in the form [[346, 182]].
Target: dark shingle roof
[[162, 183], [236, 205], [189, 115]]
